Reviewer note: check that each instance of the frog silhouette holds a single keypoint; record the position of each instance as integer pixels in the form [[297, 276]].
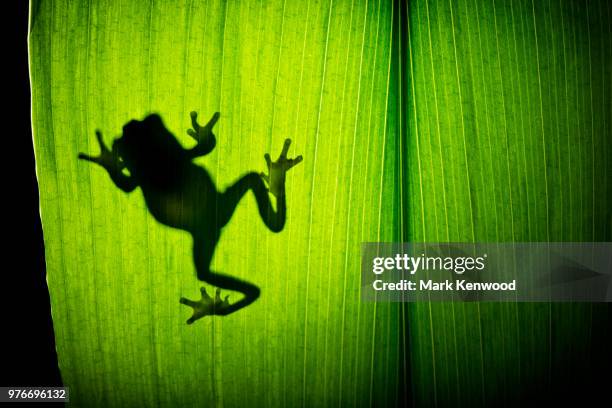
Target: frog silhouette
[[181, 194]]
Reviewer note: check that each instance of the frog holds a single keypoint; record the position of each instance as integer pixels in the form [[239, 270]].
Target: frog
[[180, 193]]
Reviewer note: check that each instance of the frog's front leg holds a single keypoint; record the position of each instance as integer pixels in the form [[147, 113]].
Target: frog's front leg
[[110, 160], [206, 306], [203, 135]]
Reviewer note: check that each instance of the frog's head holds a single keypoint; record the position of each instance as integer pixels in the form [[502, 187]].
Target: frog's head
[[146, 144]]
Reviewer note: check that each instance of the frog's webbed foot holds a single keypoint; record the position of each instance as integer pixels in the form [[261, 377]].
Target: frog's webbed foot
[[206, 306], [109, 159], [277, 170]]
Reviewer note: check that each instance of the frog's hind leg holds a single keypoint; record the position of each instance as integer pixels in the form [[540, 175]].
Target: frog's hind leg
[[203, 250], [274, 219]]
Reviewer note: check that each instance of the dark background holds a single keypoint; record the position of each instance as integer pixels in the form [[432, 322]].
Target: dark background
[[29, 357]]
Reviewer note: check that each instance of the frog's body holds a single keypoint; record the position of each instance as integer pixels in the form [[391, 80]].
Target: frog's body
[[181, 194]]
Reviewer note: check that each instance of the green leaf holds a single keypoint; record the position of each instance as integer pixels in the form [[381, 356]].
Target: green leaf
[[317, 72]]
